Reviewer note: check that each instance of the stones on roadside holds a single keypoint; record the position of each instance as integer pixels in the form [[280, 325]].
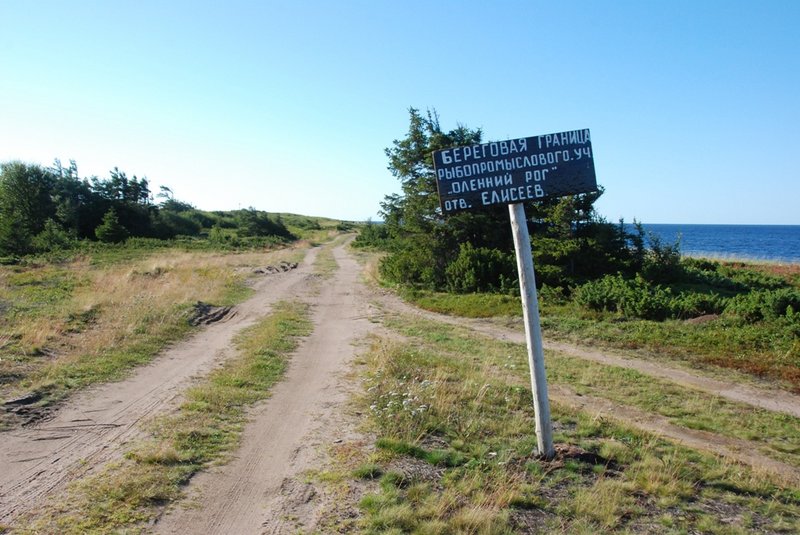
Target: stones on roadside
[[282, 267], [206, 314]]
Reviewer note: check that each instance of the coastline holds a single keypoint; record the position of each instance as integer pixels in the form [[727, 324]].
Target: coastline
[[758, 244], [733, 258]]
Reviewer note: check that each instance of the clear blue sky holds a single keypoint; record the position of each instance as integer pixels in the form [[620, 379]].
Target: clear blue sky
[[694, 106]]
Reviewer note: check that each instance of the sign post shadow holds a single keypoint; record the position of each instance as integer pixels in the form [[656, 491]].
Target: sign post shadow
[[513, 172]]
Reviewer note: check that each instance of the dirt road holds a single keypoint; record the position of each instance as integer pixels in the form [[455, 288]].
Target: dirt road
[[262, 490], [95, 426], [771, 399]]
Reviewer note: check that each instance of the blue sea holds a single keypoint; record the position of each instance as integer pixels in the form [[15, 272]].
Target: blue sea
[[773, 243]]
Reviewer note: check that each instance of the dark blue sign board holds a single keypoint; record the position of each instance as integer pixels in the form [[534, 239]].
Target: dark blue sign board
[[514, 171]]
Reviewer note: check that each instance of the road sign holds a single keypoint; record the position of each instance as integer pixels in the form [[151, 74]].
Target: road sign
[[514, 170]]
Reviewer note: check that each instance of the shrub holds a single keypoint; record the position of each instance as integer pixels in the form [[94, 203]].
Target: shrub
[[555, 295], [52, 238], [701, 264], [693, 273], [693, 304], [411, 265], [753, 279], [110, 230], [765, 304], [252, 223], [372, 235], [662, 263], [638, 298], [632, 297], [167, 225], [480, 270]]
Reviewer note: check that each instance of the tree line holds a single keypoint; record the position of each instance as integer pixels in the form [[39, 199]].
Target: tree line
[[47, 208], [580, 257], [473, 251]]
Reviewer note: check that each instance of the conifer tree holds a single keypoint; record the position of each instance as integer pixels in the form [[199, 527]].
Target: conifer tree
[[110, 230]]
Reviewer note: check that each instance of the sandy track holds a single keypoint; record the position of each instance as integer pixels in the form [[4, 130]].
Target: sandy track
[[734, 449], [94, 426], [262, 489], [772, 399]]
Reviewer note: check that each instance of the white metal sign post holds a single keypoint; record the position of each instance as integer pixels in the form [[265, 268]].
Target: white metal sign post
[[512, 172], [533, 329]]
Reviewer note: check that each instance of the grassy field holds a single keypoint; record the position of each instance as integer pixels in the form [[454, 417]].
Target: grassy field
[[452, 425], [74, 323], [765, 349], [207, 427], [446, 414], [448, 423], [205, 430]]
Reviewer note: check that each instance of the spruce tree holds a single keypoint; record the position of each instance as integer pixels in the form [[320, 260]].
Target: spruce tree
[[110, 230]]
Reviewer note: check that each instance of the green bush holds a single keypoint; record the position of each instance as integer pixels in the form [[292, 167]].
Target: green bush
[[694, 304], [52, 238], [480, 269], [254, 223], [110, 230], [635, 298], [750, 279], [555, 295], [411, 265], [706, 274], [167, 225], [662, 263], [308, 224], [372, 235], [765, 304], [550, 274], [638, 298]]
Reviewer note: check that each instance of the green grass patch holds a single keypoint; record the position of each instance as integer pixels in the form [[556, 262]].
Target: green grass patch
[[446, 390], [757, 333], [325, 263], [768, 349], [368, 471], [206, 428], [472, 305], [776, 434], [436, 457]]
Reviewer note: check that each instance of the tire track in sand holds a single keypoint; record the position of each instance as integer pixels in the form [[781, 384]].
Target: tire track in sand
[[772, 399], [261, 489], [739, 450], [95, 426]]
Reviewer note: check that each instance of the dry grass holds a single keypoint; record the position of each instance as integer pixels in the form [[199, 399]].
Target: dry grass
[[69, 325], [451, 413], [203, 431]]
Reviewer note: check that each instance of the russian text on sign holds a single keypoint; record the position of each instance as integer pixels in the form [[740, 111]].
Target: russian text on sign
[[507, 171]]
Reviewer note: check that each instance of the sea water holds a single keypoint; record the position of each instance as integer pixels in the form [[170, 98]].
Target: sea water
[[774, 243]]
